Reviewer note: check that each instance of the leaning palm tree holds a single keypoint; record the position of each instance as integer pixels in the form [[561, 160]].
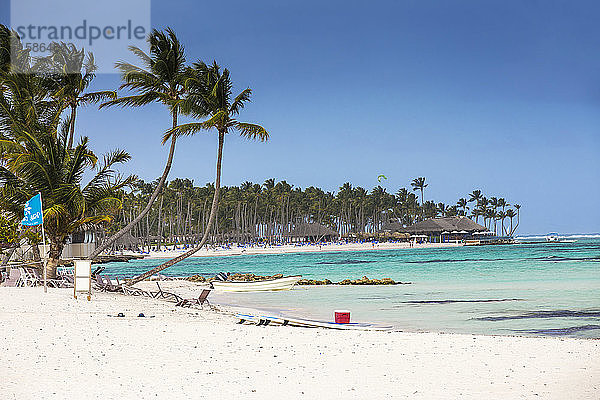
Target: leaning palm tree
[[69, 72], [518, 208], [161, 80], [510, 213], [210, 92]]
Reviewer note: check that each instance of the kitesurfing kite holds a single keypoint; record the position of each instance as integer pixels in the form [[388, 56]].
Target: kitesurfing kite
[[381, 177]]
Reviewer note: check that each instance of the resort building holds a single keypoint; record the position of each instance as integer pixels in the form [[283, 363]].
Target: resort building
[[312, 232], [439, 229]]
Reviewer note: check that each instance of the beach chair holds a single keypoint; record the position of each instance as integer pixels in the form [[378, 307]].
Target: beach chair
[[166, 295], [203, 298], [27, 278], [110, 287], [100, 284], [13, 279], [133, 291], [39, 280]]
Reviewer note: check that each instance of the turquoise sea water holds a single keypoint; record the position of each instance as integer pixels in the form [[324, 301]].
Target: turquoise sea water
[[540, 289]]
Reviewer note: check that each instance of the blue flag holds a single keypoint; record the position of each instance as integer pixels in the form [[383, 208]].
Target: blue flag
[[33, 211]]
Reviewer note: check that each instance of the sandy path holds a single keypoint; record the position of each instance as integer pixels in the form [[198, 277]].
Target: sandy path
[[54, 347]]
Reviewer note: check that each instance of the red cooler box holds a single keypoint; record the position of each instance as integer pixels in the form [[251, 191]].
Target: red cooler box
[[342, 316]]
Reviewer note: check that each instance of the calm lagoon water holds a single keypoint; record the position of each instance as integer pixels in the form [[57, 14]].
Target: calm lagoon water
[[540, 289]]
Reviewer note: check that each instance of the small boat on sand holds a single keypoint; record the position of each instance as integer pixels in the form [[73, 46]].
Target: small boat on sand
[[285, 283]]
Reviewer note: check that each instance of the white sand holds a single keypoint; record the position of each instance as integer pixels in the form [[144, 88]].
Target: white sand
[[289, 248], [54, 347]]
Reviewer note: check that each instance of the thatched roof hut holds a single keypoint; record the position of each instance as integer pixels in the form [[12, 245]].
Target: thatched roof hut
[[437, 226], [127, 241], [391, 227], [313, 232]]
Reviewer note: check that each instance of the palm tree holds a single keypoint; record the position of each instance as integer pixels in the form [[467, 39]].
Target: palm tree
[[163, 81], [419, 184], [69, 73], [476, 196], [43, 163], [501, 216], [510, 213], [462, 203], [518, 208], [494, 204], [211, 92]]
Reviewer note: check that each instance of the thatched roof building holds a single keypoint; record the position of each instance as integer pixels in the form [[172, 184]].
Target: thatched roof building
[[313, 232], [391, 227], [127, 241], [446, 225]]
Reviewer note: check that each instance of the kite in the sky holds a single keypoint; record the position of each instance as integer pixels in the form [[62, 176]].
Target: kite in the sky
[[380, 177]]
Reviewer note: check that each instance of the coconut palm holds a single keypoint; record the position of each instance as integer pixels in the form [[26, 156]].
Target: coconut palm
[[211, 92], [518, 208], [162, 80], [39, 162], [69, 72], [510, 213], [462, 203], [476, 196], [419, 184]]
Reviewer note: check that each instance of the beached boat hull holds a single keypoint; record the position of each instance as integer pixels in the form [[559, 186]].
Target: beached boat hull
[[257, 286]]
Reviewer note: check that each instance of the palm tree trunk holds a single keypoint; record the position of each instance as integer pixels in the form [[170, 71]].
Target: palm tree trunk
[[72, 126], [211, 219], [153, 197], [56, 248]]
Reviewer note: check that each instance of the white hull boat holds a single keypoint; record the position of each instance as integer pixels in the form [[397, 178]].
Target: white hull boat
[[285, 283]]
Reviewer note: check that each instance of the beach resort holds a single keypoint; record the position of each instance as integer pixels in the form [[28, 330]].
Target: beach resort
[[394, 200]]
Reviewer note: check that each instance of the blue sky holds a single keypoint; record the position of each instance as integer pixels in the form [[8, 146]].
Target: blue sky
[[502, 96]]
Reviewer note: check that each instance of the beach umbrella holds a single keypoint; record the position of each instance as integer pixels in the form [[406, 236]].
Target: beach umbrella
[[463, 232]]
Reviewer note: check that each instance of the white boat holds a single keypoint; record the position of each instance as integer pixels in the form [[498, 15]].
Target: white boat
[[285, 283]]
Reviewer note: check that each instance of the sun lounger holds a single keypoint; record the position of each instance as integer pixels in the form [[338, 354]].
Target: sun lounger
[[39, 280], [133, 291], [100, 284], [110, 287], [165, 295], [27, 277], [13, 279], [203, 298]]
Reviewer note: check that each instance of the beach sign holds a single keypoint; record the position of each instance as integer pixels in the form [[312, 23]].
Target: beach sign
[[32, 213], [32, 216], [82, 278]]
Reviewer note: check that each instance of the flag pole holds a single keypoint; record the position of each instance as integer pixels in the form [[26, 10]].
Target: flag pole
[[44, 241]]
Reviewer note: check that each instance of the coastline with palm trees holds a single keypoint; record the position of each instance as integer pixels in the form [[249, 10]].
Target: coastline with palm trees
[[478, 320]]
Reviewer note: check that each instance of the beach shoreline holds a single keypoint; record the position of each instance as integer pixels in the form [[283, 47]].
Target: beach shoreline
[[179, 353], [235, 250]]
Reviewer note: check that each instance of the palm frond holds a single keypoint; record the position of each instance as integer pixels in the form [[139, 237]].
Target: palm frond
[[252, 131]]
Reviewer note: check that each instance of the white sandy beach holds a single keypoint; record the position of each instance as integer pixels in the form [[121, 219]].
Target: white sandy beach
[[55, 347], [235, 250]]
